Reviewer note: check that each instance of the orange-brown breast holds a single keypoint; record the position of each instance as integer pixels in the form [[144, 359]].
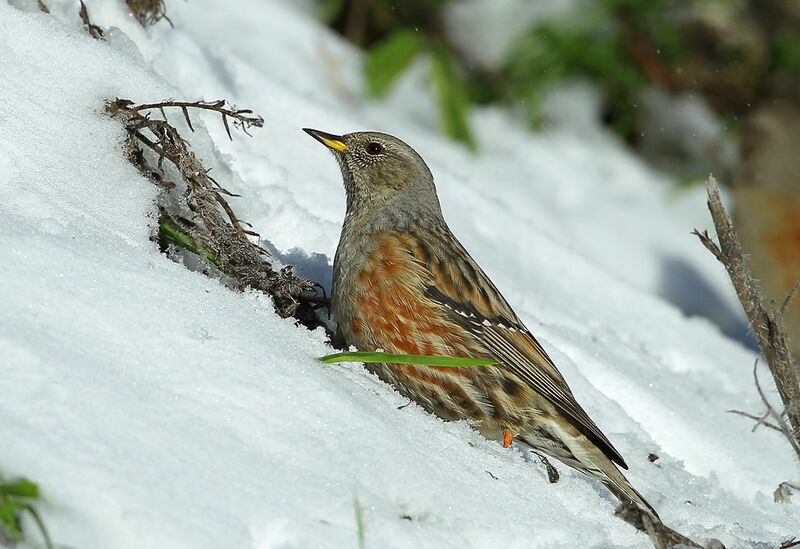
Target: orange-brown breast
[[392, 310], [392, 313]]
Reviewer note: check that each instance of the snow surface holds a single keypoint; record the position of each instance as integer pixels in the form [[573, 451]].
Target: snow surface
[[156, 408]]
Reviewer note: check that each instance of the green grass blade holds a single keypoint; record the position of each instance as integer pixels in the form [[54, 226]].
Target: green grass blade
[[359, 511], [9, 525], [389, 358], [20, 487], [171, 233], [14, 500], [48, 543]]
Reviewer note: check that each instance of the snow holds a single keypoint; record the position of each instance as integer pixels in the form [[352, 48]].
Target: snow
[[157, 408]]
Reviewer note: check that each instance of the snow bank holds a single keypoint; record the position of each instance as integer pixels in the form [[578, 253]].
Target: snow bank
[[156, 408]]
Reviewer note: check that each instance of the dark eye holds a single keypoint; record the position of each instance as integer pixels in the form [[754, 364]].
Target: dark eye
[[374, 148]]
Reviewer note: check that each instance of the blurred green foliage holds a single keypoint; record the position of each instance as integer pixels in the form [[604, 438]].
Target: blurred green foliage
[[732, 52], [395, 34], [16, 498], [451, 95], [599, 44], [786, 51], [389, 58], [549, 55]]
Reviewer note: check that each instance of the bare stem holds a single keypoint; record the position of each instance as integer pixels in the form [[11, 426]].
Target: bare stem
[[788, 300], [149, 12], [244, 118], [767, 325], [661, 535], [95, 31]]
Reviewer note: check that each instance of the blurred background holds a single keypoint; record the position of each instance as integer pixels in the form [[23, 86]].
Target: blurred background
[[693, 87]]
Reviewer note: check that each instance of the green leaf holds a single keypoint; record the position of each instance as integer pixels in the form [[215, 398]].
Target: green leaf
[[14, 496], [9, 524], [451, 96], [20, 487], [388, 59], [378, 357], [171, 233]]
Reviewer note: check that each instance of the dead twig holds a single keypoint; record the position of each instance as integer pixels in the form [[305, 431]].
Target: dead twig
[[779, 423], [788, 300], [214, 230], [95, 31], [789, 543], [784, 492], [43, 7], [149, 12], [243, 118], [760, 420], [552, 473], [767, 325], [661, 536]]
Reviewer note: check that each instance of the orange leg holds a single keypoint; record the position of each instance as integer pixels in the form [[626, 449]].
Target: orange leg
[[508, 438]]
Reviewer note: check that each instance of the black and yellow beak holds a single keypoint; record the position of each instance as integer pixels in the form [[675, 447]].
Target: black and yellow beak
[[335, 142]]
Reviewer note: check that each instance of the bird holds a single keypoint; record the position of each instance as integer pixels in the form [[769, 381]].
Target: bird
[[403, 283]]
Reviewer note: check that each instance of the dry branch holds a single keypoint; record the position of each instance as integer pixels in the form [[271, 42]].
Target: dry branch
[[661, 536], [767, 325], [242, 118], [214, 228], [149, 12], [553, 475], [790, 543], [778, 419], [95, 31], [784, 492]]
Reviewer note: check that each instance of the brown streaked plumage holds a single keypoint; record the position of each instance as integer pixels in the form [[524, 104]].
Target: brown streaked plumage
[[404, 284]]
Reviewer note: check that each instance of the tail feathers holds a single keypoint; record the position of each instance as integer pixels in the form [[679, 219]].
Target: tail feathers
[[621, 488], [567, 445]]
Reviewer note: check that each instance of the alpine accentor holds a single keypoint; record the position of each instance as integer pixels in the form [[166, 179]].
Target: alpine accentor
[[404, 284]]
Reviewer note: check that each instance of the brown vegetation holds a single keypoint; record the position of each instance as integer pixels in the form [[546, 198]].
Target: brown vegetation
[[210, 227]]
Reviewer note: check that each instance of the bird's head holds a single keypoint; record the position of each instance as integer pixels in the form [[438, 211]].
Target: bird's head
[[381, 171]]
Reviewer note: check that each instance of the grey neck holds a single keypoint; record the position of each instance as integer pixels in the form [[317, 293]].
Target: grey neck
[[391, 212]]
